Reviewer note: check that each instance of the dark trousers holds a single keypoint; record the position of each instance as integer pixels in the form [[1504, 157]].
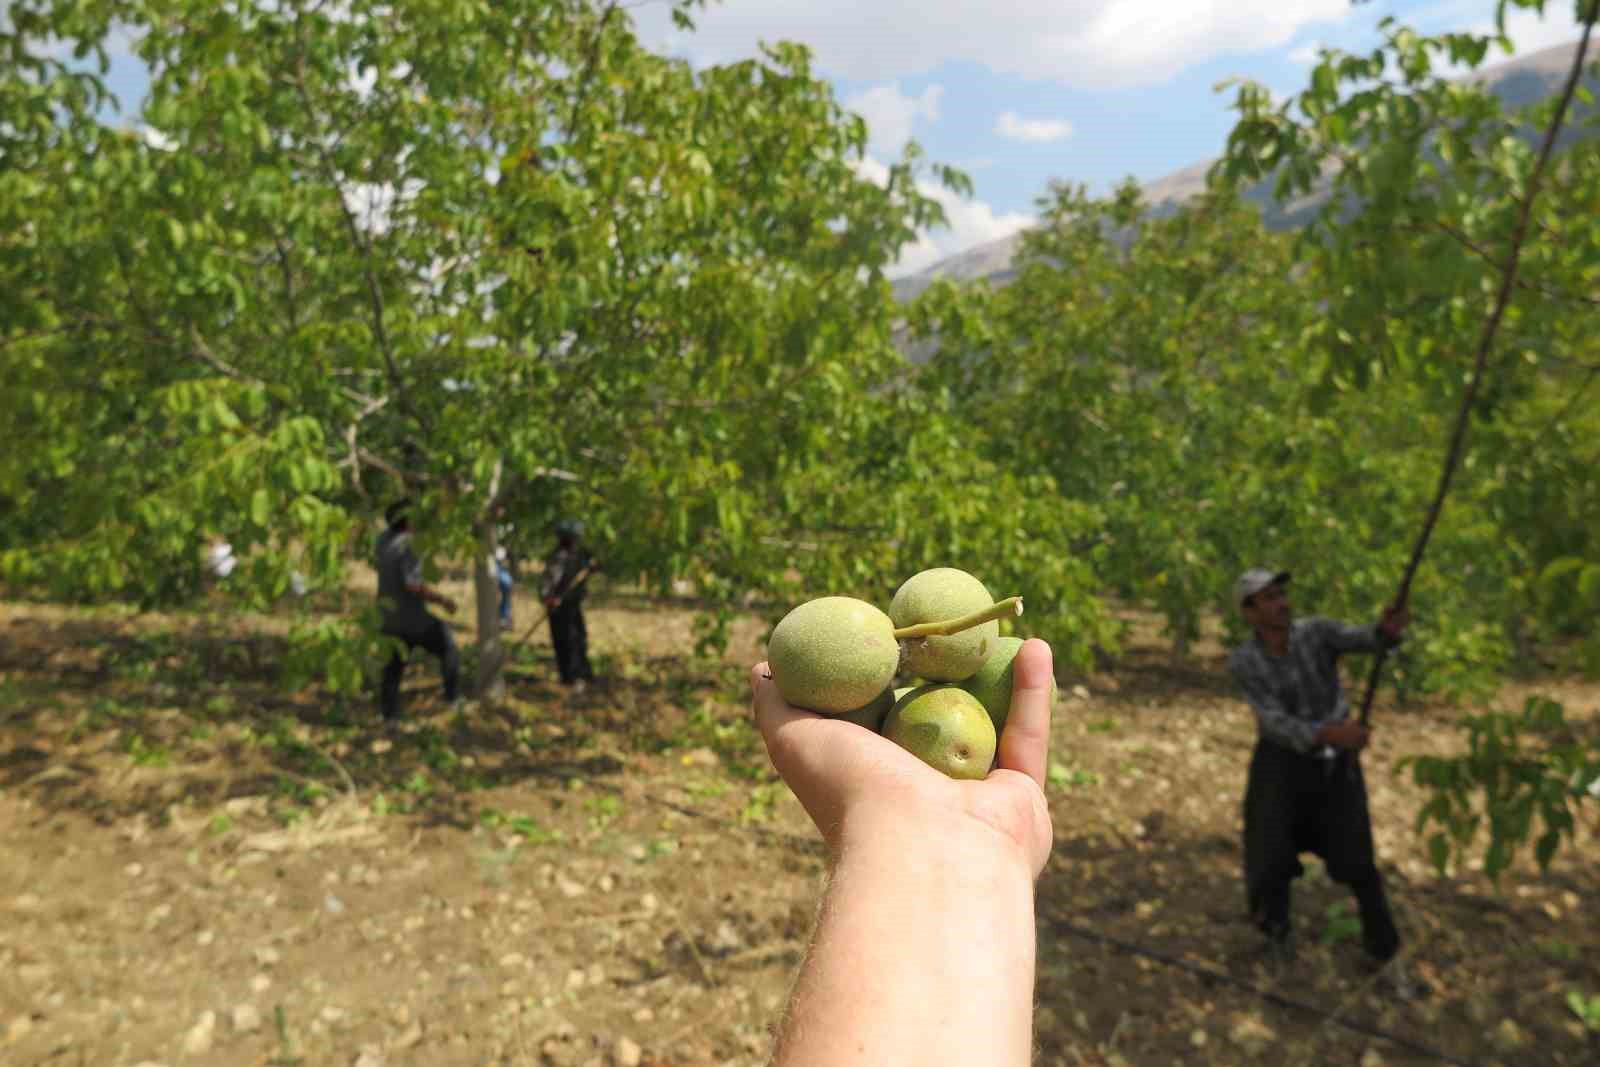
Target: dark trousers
[[1294, 804], [435, 637], [570, 637]]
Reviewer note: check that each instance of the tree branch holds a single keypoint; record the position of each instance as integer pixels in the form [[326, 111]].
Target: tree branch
[[374, 292]]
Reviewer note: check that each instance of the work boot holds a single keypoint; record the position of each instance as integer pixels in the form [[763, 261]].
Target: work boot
[[1397, 980], [1279, 952]]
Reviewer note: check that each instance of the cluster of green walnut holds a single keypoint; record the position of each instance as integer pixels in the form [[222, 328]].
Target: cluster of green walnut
[[839, 656]]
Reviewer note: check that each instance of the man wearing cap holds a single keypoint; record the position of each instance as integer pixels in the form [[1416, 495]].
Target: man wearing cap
[[566, 571], [403, 598], [1302, 796]]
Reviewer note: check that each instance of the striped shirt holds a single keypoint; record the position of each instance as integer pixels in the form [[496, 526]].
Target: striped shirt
[[1295, 695]]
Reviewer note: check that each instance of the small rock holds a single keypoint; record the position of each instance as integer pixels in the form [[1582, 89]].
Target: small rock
[[331, 1014], [596, 975], [1509, 1037], [26, 902], [1198, 1038], [410, 1037], [198, 1041], [513, 959], [626, 1053], [575, 979], [333, 905], [1253, 1035], [204, 938], [381, 745], [1080, 692], [569, 888], [20, 1027], [266, 956], [133, 870], [644, 1015], [369, 1056], [246, 1019], [649, 902], [607, 883], [260, 984], [726, 939], [1371, 1058]]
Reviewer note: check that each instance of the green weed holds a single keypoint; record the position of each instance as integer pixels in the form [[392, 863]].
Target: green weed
[[1339, 926], [1586, 1008], [1062, 776], [603, 810]]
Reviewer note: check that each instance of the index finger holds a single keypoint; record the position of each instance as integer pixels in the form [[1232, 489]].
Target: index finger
[[1025, 743]]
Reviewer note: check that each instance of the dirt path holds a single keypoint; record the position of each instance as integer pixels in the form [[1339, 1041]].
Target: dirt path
[[198, 869]]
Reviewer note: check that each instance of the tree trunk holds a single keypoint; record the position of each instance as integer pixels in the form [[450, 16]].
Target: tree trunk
[[491, 687]]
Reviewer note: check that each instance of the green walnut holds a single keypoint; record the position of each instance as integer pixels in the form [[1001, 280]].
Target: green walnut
[[945, 727], [833, 655], [992, 684], [872, 715], [935, 595]]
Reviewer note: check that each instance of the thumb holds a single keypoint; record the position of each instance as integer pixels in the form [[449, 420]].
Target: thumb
[[1025, 743]]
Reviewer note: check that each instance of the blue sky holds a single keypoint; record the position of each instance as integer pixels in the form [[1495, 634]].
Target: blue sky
[[1019, 92]]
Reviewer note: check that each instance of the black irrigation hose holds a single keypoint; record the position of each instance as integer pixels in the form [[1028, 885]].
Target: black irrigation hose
[[1272, 998]]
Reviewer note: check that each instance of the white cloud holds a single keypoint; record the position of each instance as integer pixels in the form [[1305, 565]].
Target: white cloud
[[1306, 54], [156, 139], [1032, 131], [1529, 32], [891, 114], [373, 203], [967, 223], [1090, 43]]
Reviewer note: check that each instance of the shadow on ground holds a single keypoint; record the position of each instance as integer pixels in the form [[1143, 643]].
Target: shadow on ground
[[90, 705]]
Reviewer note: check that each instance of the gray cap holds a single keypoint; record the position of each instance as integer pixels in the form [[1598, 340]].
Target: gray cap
[[1253, 581]]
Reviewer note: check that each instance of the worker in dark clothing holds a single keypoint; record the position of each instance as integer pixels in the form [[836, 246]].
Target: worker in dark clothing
[[1306, 792], [403, 598], [566, 573]]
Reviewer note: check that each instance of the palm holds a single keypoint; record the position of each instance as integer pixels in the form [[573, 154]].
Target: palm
[[844, 775]]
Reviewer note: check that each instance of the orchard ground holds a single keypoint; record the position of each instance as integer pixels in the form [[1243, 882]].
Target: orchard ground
[[198, 868]]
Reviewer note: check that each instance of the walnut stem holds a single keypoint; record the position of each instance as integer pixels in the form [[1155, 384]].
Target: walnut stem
[[1011, 605]]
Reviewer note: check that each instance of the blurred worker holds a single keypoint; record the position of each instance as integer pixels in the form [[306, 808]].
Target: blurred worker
[[403, 598], [566, 574]]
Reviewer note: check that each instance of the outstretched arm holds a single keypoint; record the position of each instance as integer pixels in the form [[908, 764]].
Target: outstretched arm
[[417, 587], [924, 951]]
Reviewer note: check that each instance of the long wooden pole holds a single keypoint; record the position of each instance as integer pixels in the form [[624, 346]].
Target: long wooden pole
[[1508, 282]]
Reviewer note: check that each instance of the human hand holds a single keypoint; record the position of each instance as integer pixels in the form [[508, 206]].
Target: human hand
[[1396, 617], [863, 790], [1348, 735]]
